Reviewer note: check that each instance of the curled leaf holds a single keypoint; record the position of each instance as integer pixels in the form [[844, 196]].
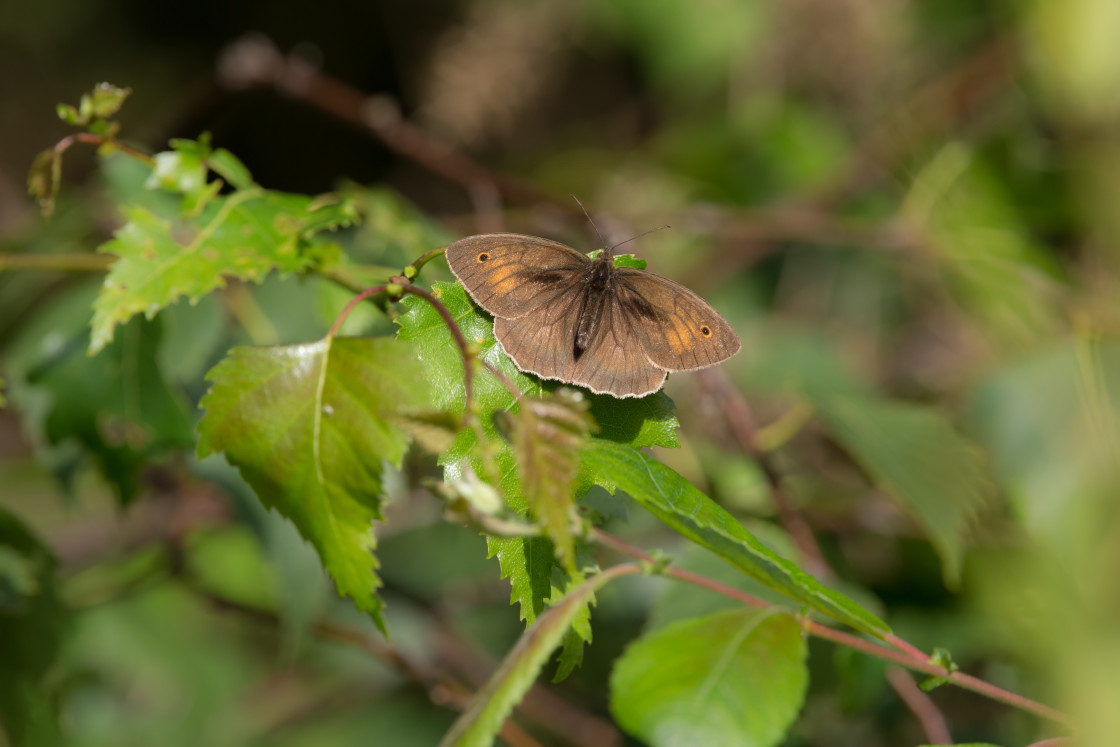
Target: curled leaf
[[548, 435]]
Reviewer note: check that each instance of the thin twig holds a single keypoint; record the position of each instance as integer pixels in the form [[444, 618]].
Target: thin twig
[[457, 334], [88, 137], [254, 61], [341, 318], [741, 421], [921, 705], [910, 656]]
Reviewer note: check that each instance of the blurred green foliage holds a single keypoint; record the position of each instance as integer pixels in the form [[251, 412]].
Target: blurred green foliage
[[907, 210]]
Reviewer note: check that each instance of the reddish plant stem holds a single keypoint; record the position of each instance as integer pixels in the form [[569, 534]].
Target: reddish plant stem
[[456, 333], [460, 340], [1053, 742], [341, 318], [448, 319], [910, 656], [921, 705], [88, 137], [696, 579], [741, 421]]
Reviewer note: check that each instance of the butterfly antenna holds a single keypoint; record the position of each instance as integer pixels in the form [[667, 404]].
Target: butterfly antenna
[[644, 233], [602, 241]]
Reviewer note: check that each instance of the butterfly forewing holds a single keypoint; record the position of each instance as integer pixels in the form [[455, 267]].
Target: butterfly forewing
[[678, 330], [509, 274]]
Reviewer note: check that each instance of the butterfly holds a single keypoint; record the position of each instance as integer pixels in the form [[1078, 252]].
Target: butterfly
[[562, 315]]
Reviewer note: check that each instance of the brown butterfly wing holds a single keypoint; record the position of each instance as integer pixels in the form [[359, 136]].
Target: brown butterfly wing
[[678, 330], [509, 274], [543, 342]]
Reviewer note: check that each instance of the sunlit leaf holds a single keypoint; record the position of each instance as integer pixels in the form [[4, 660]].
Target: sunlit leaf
[[677, 503], [244, 236], [737, 677], [309, 427]]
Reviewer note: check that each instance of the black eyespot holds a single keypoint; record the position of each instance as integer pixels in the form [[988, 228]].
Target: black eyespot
[[483, 256], [706, 330]]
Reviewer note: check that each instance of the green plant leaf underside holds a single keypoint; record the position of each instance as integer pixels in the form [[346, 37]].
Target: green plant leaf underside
[[678, 503]]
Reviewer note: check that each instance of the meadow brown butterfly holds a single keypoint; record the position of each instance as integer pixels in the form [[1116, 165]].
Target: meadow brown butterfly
[[561, 315]]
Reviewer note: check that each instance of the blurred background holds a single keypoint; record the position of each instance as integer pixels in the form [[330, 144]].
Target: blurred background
[[915, 199]]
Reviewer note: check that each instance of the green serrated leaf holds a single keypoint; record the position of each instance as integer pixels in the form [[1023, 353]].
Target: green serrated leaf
[[916, 456], [527, 562], [579, 634], [245, 236], [309, 427], [479, 724], [737, 677], [675, 501], [548, 435]]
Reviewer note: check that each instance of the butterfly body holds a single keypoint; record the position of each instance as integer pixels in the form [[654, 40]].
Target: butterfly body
[[561, 315]]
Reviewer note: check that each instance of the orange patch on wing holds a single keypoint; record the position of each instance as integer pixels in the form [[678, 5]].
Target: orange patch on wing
[[505, 285], [500, 274], [680, 341]]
